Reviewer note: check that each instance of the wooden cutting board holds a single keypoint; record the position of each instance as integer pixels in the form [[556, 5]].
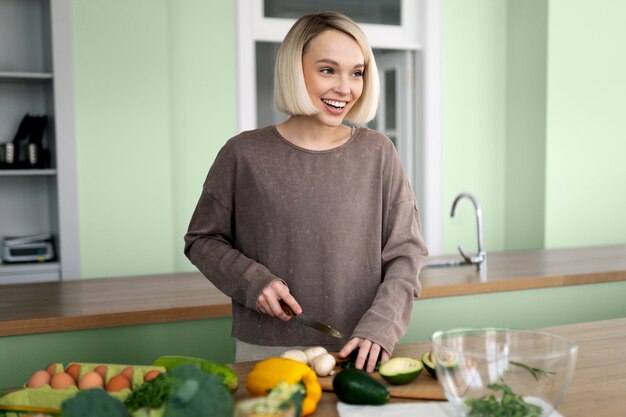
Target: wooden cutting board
[[424, 387]]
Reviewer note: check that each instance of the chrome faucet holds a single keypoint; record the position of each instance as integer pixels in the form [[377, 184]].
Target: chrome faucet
[[481, 256]]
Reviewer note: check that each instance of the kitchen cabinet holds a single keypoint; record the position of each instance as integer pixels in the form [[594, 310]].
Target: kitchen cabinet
[[36, 78]]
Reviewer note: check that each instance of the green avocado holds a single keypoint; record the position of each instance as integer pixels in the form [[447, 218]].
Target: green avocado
[[400, 370], [355, 386], [450, 363], [429, 363]]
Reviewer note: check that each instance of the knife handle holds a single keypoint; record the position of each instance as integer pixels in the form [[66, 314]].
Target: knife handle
[[287, 309]]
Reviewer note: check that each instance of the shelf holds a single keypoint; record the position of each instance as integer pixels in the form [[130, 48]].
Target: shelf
[[36, 78], [29, 272], [25, 76], [27, 172]]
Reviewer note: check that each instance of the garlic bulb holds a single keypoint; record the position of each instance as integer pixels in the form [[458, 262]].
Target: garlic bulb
[[296, 355], [312, 352], [324, 364]]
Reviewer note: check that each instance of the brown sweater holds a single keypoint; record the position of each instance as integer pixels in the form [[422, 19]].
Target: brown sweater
[[340, 227]]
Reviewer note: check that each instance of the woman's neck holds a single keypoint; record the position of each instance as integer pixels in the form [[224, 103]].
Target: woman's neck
[[310, 134]]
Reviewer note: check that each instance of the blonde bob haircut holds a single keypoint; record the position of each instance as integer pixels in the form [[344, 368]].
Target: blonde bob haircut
[[290, 93]]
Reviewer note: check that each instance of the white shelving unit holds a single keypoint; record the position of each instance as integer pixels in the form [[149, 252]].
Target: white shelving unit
[[36, 78]]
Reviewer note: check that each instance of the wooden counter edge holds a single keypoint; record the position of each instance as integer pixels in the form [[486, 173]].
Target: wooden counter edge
[[524, 283], [108, 320]]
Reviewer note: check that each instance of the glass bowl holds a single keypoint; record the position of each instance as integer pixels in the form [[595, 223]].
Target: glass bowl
[[485, 372]]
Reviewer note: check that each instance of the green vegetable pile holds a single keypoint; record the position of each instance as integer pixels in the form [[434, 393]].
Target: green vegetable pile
[[184, 391], [510, 405]]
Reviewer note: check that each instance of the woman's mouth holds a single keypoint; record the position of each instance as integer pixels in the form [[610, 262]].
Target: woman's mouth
[[334, 106]]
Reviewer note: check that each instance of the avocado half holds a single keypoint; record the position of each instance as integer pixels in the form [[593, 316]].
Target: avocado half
[[429, 363], [401, 370]]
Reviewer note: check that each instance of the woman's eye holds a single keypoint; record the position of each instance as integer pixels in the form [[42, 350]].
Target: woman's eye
[[357, 74], [326, 71]]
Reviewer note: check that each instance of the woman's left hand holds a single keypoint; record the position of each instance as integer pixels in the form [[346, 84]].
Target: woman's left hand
[[369, 353]]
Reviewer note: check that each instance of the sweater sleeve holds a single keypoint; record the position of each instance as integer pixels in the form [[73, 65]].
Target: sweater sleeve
[[209, 242], [403, 254]]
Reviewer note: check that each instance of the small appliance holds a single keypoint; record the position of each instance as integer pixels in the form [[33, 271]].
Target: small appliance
[[33, 248]]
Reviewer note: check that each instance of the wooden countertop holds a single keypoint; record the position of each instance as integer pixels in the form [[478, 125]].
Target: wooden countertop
[[597, 388], [110, 302]]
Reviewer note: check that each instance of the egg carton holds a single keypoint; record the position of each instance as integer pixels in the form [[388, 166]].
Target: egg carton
[[48, 400]]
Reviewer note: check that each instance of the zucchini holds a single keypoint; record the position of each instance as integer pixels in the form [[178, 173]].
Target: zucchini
[[355, 386], [229, 377], [400, 371]]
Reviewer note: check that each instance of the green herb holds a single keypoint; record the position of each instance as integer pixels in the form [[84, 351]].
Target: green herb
[[152, 394], [536, 372], [510, 405]]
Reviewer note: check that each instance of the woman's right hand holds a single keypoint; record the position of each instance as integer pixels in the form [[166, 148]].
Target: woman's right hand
[[269, 301]]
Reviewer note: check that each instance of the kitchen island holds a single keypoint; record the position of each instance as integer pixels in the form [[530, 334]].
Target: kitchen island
[[123, 301], [597, 388], [136, 319]]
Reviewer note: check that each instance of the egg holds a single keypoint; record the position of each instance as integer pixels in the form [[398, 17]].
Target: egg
[[91, 380], [73, 370], [38, 379], [128, 373], [52, 369], [102, 370], [117, 383], [62, 380], [150, 375]]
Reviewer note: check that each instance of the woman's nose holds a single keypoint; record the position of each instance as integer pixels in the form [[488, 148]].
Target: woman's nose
[[343, 85]]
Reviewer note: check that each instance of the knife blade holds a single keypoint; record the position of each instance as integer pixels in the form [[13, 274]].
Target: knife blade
[[311, 322]]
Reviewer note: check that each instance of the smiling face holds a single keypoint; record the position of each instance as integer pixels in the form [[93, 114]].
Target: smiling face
[[333, 66]]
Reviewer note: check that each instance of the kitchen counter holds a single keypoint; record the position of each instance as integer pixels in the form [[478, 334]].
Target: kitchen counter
[[597, 388], [111, 302]]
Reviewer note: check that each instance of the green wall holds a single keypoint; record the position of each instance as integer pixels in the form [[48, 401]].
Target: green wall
[[155, 100], [525, 139], [532, 99], [473, 113], [586, 129], [124, 169]]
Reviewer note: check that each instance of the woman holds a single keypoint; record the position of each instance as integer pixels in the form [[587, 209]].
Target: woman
[[313, 212]]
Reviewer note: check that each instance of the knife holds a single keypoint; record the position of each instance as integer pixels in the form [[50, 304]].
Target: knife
[[311, 322]]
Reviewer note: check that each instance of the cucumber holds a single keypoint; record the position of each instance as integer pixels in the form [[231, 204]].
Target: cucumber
[[229, 377], [355, 386], [400, 370]]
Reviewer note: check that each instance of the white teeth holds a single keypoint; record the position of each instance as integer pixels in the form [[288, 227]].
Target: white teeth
[[339, 104]]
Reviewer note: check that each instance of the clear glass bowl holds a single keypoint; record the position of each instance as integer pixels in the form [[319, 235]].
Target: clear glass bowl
[[477, 366]]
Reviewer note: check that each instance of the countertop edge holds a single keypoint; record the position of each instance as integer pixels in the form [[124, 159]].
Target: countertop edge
[[85, 304], [524, 283]]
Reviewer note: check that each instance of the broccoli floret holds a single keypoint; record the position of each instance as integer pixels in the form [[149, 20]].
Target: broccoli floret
[[93, 403]]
